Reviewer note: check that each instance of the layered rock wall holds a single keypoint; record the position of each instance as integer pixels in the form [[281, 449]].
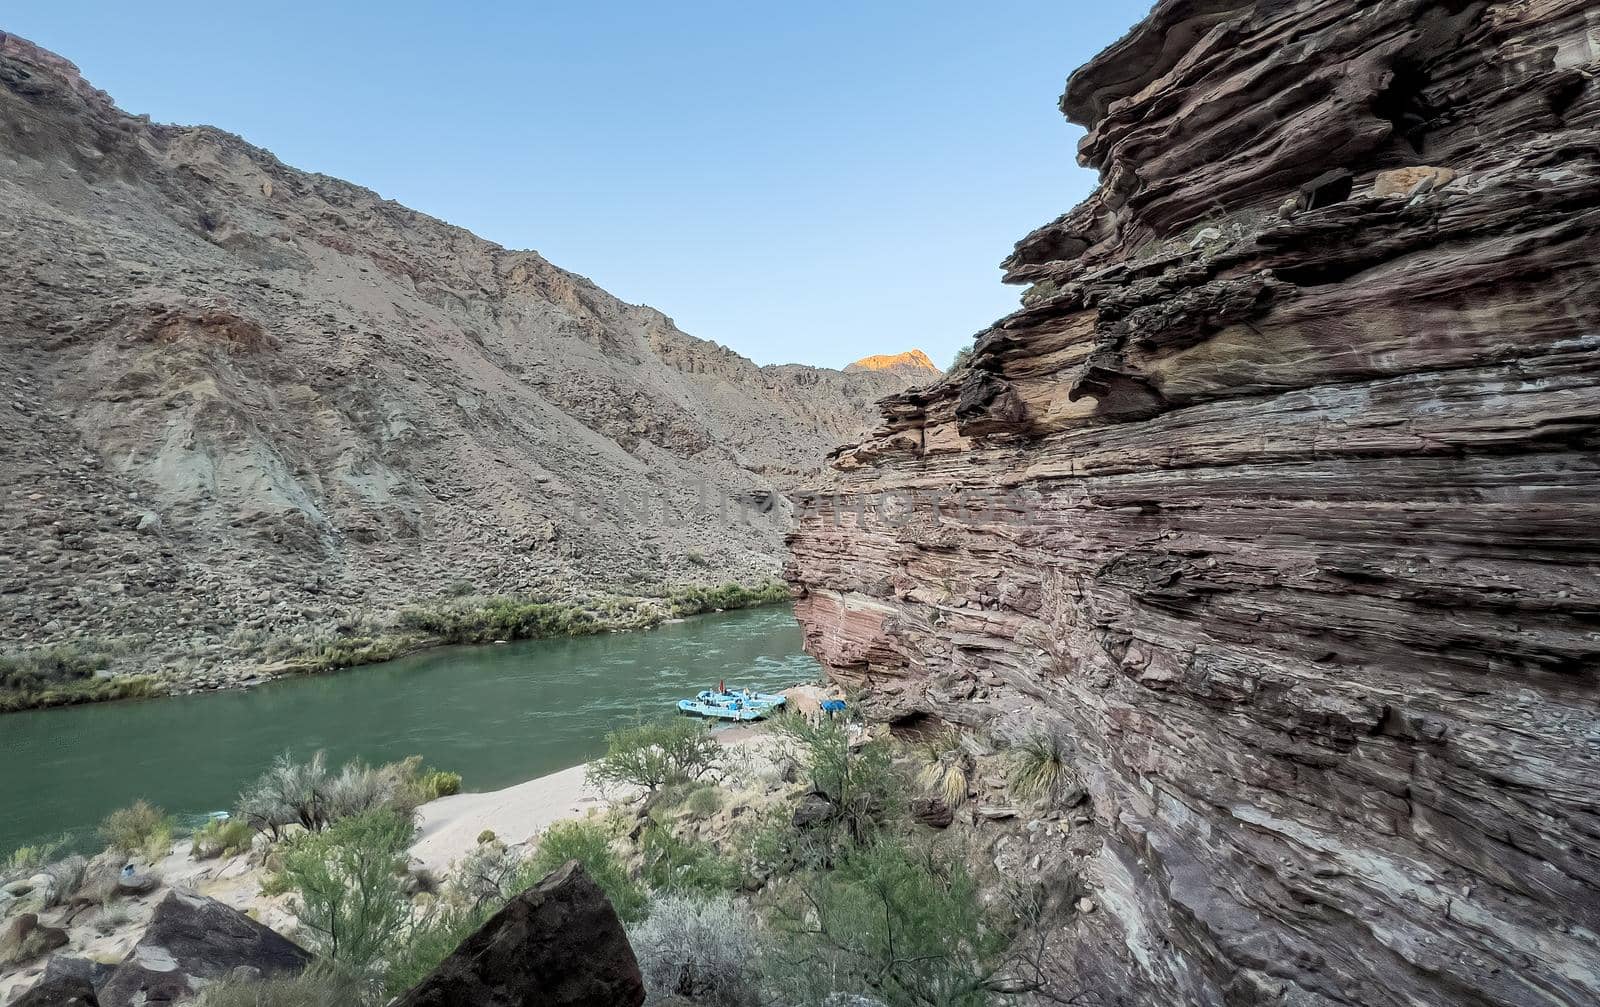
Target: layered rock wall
[[1279, 498]]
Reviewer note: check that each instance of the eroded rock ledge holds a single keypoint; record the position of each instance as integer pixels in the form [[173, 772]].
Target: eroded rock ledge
[[1279, 496]]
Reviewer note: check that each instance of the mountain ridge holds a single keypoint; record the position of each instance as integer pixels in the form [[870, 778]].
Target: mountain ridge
[[250, 401]]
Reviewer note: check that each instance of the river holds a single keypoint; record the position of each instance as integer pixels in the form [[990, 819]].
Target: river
[[497, 715]]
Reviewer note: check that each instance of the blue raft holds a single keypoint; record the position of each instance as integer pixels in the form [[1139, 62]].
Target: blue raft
[[741, 705]]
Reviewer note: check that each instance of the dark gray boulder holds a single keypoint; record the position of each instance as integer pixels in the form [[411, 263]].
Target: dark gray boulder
[[558, 944], [191, 941], [59, 990]]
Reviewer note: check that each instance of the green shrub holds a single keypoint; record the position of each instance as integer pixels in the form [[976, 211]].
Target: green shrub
[[221, 837], [486, 836], [429, 943], [859, 781], [907, 928], [653, 754], [437, 783], [142, 828], [350, 896], [672, 864], [306, 794], [501, 619], [962, 356], [703, 801], [695, 600], [589, 843]]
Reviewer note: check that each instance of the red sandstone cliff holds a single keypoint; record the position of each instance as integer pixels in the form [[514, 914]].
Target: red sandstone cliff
[[1278, 498]]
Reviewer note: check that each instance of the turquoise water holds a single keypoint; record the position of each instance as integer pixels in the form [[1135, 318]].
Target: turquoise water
[[497, 715]]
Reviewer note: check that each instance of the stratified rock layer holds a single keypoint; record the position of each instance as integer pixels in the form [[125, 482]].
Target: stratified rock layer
[[1279, 497]]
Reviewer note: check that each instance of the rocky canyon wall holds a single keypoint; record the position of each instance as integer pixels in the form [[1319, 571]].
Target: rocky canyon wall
[[1278, 498]]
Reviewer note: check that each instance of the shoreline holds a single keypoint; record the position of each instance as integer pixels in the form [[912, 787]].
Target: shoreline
[[642, 615]]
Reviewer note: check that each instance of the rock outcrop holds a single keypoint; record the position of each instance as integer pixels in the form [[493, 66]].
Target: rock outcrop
[[239, 400], [914, 365], [192, 941], [558, 944], [1278, 497]]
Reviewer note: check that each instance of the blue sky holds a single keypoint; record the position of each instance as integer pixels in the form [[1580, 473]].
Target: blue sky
[[806, 183]]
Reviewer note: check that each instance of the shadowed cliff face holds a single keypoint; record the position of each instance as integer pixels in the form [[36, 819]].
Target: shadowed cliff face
[[1279, 499]]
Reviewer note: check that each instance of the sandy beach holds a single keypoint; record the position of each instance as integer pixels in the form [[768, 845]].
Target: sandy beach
[[450, 826]]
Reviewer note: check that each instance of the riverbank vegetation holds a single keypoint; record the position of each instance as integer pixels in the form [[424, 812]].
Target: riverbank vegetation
[[63, 675], [70, 674], [802, 877]]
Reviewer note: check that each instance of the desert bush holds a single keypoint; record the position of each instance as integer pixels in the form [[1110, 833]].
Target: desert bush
[[321, 985], [486, 836], [960, 359], [1041, 767], [905, 926], [221, 837], [306, 794], [589, 843], [140, 828], [487, 876], [49, 666], [653, 754], [349, 886], [430, 942], [437, 783], [947, 768], [288, 793], [704, 950], [672, 864], [703, 801]]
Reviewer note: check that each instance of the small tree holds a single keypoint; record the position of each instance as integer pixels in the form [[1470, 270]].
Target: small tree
[[906, 929], [352, 904], [858, 779], [655, 754]]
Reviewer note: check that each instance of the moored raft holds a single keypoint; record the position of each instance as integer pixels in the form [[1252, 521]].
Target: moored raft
[[732, 705]]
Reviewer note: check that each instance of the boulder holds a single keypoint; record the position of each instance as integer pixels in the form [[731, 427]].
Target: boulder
[[812, 810], [22, 939], [558, 944], [137, 883], [59, 990], [191, 941], [63, 967], [100, 878]]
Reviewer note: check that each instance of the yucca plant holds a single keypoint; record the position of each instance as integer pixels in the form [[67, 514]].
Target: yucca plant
[[1041, 766], [947, 768]]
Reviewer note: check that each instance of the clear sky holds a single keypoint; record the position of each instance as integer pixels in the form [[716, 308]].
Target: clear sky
[[801, 182]]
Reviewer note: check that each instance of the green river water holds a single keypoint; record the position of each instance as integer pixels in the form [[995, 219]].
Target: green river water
[[497, 715]]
